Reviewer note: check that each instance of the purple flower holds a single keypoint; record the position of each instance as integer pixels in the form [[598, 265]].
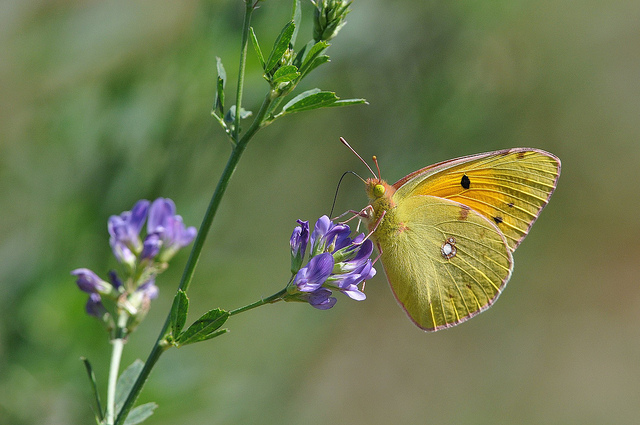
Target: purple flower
[[90, 283], [115, 280], [348, 283], [176, 236], [151, 246], [95, 307], [322, 299], [337, 262], [351, 256], [149, 289], [309, 280], [161, 209], [327, 236], [298, 242], [124, 230], [315, 273], [169, 229], [166, 234], [353, 267]]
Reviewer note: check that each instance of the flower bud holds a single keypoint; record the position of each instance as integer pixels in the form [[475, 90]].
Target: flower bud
[[298, 242], [329, 18], [95, 307], [90, 283]]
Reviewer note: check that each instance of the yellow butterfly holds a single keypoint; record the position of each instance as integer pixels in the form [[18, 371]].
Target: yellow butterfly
[[446, 233]]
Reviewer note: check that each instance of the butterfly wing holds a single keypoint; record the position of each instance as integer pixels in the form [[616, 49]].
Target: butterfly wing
[[509, 187], [437, 290]]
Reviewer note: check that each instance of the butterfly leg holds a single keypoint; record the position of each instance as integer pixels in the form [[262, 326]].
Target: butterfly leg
[[353, 212], [377, 223]]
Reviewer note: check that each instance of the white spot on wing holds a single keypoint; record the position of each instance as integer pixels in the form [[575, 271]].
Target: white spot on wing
[[448, 249]]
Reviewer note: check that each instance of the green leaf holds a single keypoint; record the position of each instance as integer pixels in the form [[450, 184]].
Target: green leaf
[[314, 99], [300, 97], [256, 46], [285, 74], [296, 16], [179, 311], [280, 46], [311, 99], [311, 54], [297, 61], [210, 336], [205, 327], [140, 413], [222, 79], [126, 381], [94, 387], [319, 60]]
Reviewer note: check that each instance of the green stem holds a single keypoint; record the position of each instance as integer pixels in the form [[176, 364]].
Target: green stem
[[114, 368], [243, 59], [269, 300]]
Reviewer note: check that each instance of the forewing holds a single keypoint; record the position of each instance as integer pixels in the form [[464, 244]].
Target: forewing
[[509, 187], [438, 292]]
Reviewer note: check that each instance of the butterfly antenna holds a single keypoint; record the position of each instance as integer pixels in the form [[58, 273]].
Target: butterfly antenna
[[344, 142], [375, 161], [335, 197]]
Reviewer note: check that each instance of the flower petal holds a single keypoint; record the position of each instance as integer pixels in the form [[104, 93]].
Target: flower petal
[[151, 246], [315, 273], [320, 267], [89, 282], [138, 215], [161, 209], [94, 306], [322, 299], [354, 293], [320, 229]]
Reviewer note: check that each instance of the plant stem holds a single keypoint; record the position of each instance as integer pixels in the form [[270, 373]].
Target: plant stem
[[114, 368], [243, 59], [269, 300]]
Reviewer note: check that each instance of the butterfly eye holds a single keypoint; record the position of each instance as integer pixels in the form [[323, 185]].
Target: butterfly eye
[[378, 190]]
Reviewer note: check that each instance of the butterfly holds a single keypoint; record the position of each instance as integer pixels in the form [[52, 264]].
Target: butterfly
[[446, 233]]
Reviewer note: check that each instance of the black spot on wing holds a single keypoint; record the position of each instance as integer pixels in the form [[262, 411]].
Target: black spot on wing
[[498, 219], [465, 182]]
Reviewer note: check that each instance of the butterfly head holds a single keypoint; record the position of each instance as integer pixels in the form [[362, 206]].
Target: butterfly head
[[377, 188]]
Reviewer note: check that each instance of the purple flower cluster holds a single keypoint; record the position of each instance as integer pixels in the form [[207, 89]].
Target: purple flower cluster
[[166, 233], [144, 259], [337, 262]]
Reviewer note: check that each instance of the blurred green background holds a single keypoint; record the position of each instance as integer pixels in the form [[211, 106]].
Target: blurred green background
[[106, 102]]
